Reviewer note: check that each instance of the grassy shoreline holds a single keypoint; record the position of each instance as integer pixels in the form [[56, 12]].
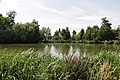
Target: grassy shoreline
[[30, 65]]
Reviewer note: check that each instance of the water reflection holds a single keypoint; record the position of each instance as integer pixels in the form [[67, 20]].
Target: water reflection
[[63, 49]]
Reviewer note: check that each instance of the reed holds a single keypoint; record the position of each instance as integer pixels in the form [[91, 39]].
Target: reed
[[31, 65]]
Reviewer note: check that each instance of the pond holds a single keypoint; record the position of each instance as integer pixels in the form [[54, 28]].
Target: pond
[[58, 49]]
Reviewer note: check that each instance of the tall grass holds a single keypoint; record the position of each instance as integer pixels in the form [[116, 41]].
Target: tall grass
[[104, 66], [30, 65]]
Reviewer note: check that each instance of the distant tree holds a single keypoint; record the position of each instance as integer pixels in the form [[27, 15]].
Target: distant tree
[[56, 35], [106, 32], [105, 23], [49, 33], [63, 34], [0, 14], [67, 32], [11, 15], [4, 29], [46, 33], [73, 35], [36, 34], [59, 29], [118, 32], [81, 34], [88, 33], [95, 33]]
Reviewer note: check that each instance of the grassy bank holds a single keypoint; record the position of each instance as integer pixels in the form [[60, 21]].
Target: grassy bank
[[30, 65]]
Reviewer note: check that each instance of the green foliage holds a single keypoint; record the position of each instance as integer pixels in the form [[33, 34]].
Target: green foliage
[[73, 35], [18, 33], [118, 31], [106, 32], [30, 65], [45, 34], [65, 34], [5, 31], [88, 33], [62, 35], [104, 66], [26, 33], [11, 32], [11, 15]]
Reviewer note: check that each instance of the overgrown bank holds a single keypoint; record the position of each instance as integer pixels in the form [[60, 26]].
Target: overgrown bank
[[32, 65]]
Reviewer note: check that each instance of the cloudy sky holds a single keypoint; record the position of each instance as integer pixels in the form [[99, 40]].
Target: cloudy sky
[[75, 14]]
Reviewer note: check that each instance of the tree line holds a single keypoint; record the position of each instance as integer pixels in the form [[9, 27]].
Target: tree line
[[11, 32]]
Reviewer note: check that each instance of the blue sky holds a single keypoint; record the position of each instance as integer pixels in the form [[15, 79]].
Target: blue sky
[[75, 14]]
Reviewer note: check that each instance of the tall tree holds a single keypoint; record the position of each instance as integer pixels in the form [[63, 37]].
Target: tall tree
[[4, 29], [105, 23], [88, 33], [46, 33], [11, 15], [81, 34], [95, 33], [36, 33], [67, 32], [106, 32], [56, 35], [73, 35], [118, 32]]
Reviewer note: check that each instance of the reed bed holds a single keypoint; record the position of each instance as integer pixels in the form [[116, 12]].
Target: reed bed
[[33, 65]]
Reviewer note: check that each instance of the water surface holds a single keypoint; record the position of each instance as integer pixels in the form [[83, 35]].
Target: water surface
[[57, 49]]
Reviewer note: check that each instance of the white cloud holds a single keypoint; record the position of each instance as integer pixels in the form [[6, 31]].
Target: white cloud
[[74, 14]]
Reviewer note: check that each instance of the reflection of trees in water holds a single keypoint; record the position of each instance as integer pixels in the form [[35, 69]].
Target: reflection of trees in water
[[62, 49], [54, 51], [74, 49], [66, 49], [89, 49], [47, 49]]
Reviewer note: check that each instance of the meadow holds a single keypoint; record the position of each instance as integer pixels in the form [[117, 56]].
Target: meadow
[[34, 65]]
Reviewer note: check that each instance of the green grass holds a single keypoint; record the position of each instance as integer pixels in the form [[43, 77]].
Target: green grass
[[30, 65]]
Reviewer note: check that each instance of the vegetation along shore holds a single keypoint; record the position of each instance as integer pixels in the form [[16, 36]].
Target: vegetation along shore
[[11, 32]]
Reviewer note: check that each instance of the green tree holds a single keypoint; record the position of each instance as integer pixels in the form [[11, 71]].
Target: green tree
[[95, 33], [118, 32], [11, 15], [68, 36], [106, 32], [26, 33], [36, 34], [46, 33], [81, 34], [65, 33], [4, 29], [88, 33], [73, 35], [56, 35]]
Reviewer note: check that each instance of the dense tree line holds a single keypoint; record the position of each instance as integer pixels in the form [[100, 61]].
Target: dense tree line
[[92, 34], [11, 32]]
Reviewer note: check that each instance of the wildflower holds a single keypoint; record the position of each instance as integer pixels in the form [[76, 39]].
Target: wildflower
[[76, 58]]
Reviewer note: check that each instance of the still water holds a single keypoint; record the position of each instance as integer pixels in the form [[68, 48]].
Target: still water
[[57, 49]]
